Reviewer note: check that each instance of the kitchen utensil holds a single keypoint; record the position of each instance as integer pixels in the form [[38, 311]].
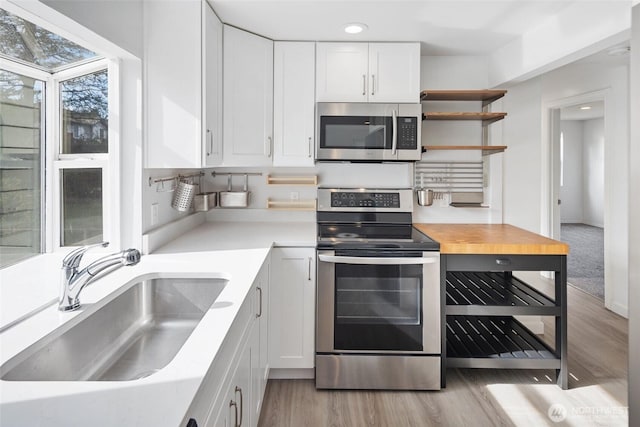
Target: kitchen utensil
[[235, 199], [183, 195], [205, 201], [425, 197]]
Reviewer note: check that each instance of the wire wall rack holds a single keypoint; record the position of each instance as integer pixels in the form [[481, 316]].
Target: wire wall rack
[[449, 177]]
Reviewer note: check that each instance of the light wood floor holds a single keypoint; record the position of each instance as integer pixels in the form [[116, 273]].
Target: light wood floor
[[597, 392]]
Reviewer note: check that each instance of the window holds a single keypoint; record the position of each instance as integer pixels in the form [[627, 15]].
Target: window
[[21, 166], [56, 158]]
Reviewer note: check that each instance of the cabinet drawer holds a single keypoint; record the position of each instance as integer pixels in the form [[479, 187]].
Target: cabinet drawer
[[504, 262]]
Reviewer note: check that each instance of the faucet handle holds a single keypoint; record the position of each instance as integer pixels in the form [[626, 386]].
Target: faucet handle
[[73, 258]]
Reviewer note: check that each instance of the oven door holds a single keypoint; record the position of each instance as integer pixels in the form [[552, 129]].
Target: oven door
[[378, 301]]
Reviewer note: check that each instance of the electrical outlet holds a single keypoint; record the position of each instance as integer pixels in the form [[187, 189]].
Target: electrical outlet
[[294, 195], [154, 214]]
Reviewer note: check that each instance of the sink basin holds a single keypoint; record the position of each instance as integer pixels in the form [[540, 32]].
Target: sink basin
[[133, 336]]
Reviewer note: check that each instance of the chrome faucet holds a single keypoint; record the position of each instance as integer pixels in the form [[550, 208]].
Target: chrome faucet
[[73, 281]]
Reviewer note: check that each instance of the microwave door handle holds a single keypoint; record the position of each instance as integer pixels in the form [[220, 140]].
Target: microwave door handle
[[394, 135], [375, 261]]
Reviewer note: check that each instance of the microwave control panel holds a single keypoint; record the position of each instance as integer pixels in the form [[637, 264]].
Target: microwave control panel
[[407, 133]]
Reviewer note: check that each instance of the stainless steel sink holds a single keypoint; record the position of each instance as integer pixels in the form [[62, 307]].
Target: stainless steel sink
[[134, 335]]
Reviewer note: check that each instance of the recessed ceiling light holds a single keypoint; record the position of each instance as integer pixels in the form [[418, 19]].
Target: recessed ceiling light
[[586, 107], [355, 28]]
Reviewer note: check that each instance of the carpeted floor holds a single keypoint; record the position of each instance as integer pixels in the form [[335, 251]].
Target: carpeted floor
[[585, 263]]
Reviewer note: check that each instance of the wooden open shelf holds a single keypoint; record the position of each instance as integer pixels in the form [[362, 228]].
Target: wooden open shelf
[[487, 96], [485, 117], [486, 149], [292, 180], [292, 205]]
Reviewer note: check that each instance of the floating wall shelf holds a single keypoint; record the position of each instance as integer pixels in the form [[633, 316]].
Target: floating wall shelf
[[485, 117], [486, 149], [292, 180], [292, 205], [487, 96]]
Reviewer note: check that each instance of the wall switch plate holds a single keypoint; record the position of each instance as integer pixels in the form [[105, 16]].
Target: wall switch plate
[[155, 214]]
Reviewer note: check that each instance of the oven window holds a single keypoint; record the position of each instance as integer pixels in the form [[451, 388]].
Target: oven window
[[378, 307], [355, 132]]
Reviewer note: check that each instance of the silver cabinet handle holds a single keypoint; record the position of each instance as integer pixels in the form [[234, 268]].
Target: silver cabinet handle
[[235, 409], [394, 135], [267, 151], [364, 85], [373, 84], [259, 314], [310, 149], [309, 276], [209, 142], [375, 261], [238, 389]]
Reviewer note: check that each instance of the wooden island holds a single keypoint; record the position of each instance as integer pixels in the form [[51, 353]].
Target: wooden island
[[481, 296]]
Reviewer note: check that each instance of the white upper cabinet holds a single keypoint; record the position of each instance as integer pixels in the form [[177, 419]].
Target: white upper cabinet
[[368, 72], [212, 81], [294, 103], [179, 69], [342, 72], [394, 72], [248, 99]]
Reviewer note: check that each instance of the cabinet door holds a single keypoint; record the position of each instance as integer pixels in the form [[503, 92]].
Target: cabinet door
[[260, 341], [212, 80], [173, 90], [248, 99], [235, 409], [292, 320], [294, 103], [394, 72], [341, 72]]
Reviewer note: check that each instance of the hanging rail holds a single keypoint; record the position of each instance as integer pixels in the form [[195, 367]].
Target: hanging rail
[[214, 173], [174, 177]]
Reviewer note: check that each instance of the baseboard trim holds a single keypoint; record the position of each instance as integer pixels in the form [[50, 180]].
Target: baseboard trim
[[292, 374]]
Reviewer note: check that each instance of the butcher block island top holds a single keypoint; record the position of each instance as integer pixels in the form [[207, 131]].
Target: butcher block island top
[[491, 239]]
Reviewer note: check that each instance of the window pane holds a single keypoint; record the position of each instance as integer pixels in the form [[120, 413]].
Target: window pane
[[85, 117], [81, 206], [21, 109], [27, 42]]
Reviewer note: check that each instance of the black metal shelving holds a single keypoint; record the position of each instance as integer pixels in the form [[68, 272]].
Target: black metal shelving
[[482, 295], [485, 341]]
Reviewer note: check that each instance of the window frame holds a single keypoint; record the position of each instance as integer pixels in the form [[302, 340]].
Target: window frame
[[107, 162], [54, 162]]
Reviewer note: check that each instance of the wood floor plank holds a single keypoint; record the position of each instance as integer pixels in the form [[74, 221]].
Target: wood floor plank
[[597, 394]]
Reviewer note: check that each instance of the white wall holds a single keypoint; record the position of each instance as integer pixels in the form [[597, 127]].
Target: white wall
[[118, 21], [571, 209], [593, 172], [526, 176], [582, 192], [459, 72], [634, 227]]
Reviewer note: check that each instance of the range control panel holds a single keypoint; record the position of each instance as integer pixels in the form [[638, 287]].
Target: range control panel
[[365, 200]]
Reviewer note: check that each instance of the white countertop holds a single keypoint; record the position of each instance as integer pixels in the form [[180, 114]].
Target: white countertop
[[229, 250]]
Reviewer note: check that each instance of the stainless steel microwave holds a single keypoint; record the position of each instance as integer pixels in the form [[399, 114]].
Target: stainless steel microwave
[[368, 132]]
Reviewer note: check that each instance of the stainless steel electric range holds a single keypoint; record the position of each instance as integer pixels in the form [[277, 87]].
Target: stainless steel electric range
[[378, 320]]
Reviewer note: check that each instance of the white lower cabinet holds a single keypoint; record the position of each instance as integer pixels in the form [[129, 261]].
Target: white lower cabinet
[[236, 405], [231, 393], [293, 298]]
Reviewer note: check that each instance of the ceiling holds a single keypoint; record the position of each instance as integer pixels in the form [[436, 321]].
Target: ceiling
[[444, 27], [575, 112]]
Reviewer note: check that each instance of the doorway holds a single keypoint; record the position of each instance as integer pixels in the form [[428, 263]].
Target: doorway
[[578, 205]]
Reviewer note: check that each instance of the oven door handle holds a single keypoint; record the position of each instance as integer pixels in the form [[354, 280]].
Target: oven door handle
[[375, 261]]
